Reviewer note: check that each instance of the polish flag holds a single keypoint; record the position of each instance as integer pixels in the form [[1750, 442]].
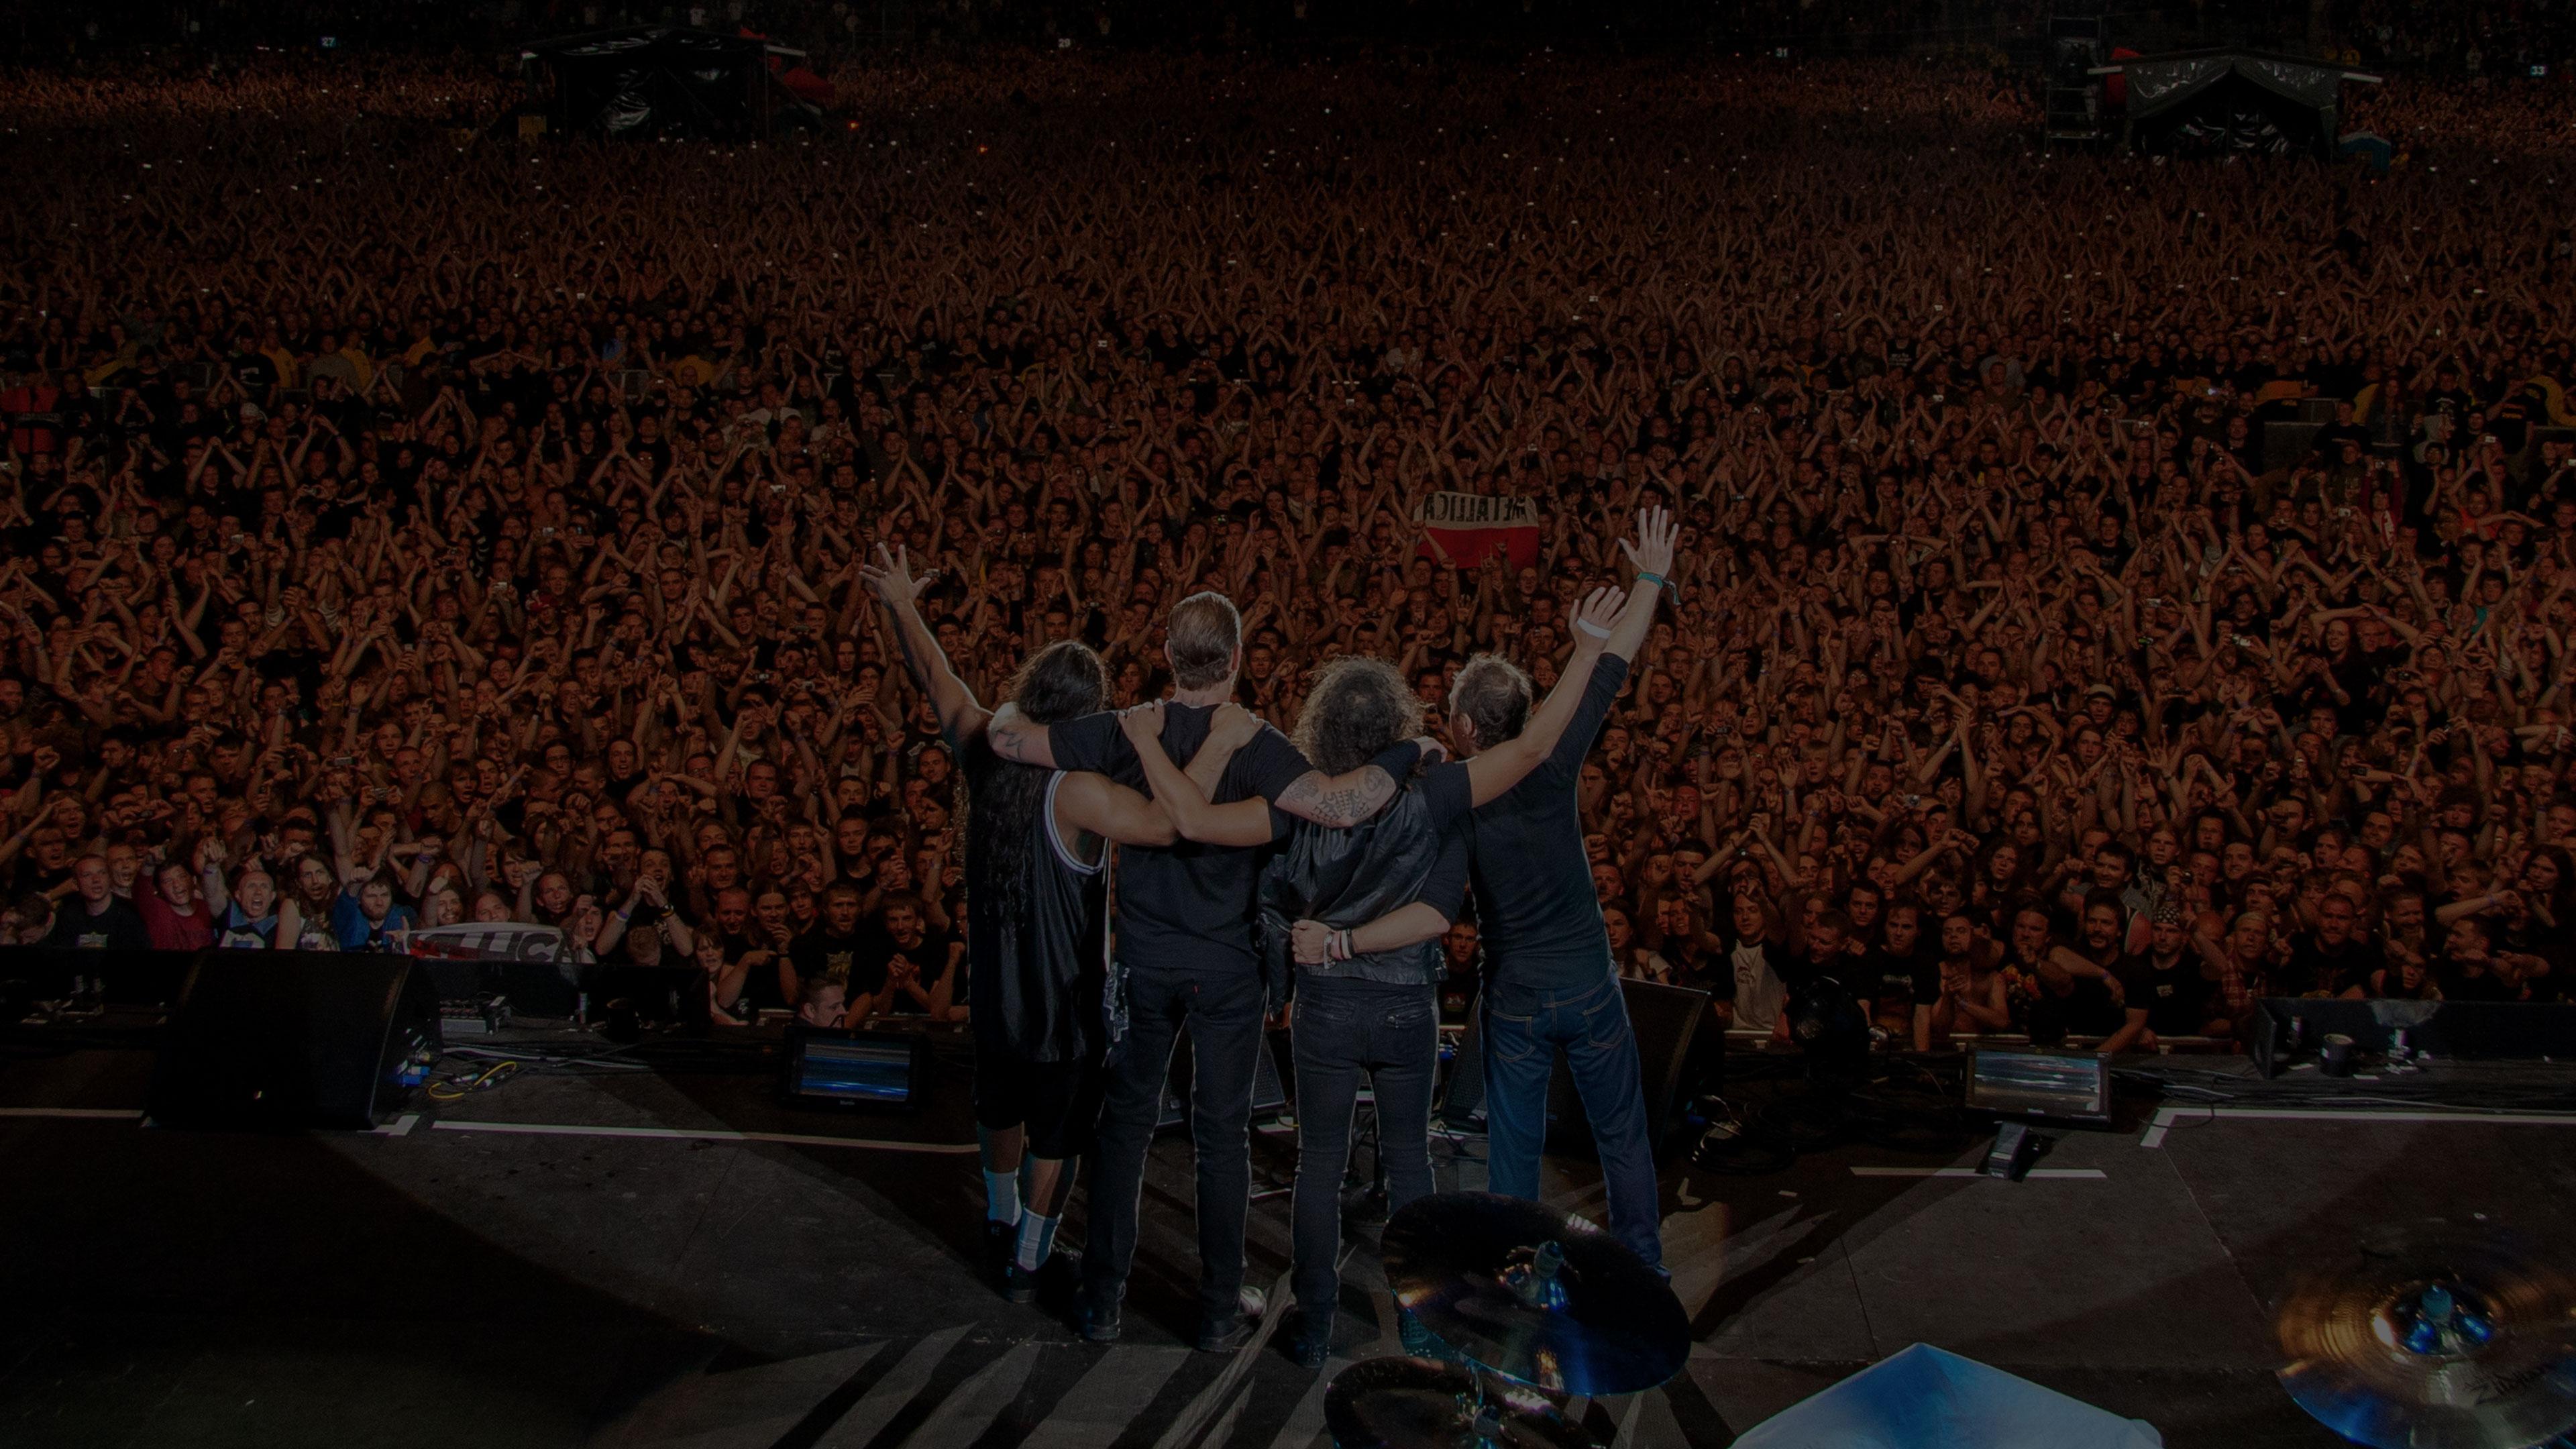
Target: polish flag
[[1467, 528]]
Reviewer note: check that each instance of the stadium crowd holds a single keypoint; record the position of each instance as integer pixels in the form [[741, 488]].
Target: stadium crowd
[[407, 530]]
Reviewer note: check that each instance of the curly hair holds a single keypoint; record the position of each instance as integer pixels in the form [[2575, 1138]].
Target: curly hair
[[1356, 708]]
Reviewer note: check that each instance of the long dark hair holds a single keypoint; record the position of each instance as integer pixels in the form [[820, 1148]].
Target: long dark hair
[[1063, 681], [1358, 707]]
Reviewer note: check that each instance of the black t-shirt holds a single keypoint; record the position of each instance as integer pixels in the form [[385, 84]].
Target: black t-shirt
[[2459, 985], [1186, 905], [1896, 984], [2315, 969], [929, 957], [118, 928], [1803, 976], [1534, 898], [1449, 796], [851, 960], [2085, 1009], [2173, 994]]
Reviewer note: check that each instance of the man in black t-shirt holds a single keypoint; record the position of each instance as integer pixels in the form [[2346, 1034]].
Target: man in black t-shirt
[[1901, 977], [768, 977], [2469, 968], [2167, 990], [2072, 992], [919, 967], [2335, 959], [840, 949], [1186, 959], [96, 918], [1552, 984]]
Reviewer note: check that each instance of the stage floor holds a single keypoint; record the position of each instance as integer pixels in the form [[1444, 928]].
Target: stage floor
[[605, 1262]]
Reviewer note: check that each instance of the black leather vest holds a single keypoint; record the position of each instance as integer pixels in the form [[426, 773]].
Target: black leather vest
[[1347, 877]]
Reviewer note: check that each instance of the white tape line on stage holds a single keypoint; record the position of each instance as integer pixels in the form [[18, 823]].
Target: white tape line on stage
[[2085, 1174], [2166, 1117], [707, 1134]]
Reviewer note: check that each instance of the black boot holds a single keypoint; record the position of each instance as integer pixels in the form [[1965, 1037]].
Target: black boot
[[1314, 1342]]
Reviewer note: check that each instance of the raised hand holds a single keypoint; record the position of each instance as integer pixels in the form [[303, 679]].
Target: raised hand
[[891, 578], [1599, 610], [1656, 535]]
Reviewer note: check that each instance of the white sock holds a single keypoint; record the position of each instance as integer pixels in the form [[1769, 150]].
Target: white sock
[[1037, 1239], [1001, 1196]]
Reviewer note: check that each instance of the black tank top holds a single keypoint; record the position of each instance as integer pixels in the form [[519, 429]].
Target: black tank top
[[1036, 978]]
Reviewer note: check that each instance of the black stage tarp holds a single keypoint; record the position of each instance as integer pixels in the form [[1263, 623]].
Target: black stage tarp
[[664, 81], [2233, 101]]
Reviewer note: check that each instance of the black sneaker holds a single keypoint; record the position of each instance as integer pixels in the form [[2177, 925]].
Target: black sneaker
[[1019, 1285], [1001, 1248], [1234, 1330], [1061, 1272], [1314, 1342], [1098, 1321]]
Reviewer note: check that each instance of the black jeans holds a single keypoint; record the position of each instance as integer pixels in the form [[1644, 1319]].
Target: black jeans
[[1343, 1030], [1223, 1011]]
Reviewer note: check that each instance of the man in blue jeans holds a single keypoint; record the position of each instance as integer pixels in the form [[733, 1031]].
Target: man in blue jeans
[[1550, 982]]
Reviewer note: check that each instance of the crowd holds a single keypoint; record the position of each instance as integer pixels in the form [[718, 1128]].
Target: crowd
[[405, 532]]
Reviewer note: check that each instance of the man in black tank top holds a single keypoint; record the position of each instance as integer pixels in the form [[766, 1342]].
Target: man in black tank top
[[1034, 930]]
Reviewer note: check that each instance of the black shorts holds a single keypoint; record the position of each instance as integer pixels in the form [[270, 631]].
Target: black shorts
[[1058, 1102]]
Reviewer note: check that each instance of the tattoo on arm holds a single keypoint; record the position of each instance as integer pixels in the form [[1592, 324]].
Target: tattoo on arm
[[1338, 800], [1011, 736]]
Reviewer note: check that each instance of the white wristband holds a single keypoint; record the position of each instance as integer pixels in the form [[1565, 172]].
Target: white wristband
[[1588, 627]]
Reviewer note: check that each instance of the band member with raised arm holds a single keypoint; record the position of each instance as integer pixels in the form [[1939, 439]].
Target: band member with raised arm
[[1550, 980], [1036, 955], [1186, 958], [1366, 903]]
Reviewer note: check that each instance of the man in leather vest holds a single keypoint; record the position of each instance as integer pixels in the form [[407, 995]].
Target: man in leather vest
[[1364, 906]]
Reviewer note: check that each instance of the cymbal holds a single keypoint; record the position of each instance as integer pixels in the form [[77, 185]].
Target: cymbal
[[2433, 1338], [1415, 1403], [1542, 1297]]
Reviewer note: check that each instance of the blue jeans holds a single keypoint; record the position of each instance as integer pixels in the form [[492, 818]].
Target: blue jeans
[[1524, 1027]]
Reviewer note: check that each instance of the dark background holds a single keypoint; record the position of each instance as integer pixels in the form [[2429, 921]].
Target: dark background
[[2436, 35]]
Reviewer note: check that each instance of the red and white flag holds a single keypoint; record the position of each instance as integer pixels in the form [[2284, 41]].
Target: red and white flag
[[1467, 528]]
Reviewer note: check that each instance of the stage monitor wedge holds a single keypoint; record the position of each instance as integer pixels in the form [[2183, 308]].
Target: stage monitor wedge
[[839, 1067], [2045, 1086], [285, 1041]]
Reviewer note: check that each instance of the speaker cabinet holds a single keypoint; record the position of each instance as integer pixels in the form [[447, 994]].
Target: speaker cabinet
[[2282, 1030], [282, 1041], [1666, 1020]]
